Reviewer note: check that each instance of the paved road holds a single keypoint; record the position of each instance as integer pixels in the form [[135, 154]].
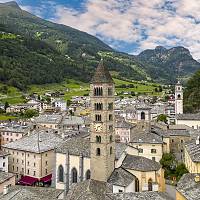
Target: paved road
[[171, 191]]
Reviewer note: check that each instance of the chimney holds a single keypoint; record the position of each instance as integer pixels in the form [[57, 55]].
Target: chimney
[[197, 178], [197, 140], [5, 189]]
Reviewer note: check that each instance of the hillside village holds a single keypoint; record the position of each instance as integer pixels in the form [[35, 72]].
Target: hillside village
[[130, 148]]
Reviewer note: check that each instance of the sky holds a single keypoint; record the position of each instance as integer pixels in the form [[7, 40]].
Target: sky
[[127, 25]]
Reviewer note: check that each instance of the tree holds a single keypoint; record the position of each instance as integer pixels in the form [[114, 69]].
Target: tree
[[30, 113], [162, 118], [6, 105], [180, 170]]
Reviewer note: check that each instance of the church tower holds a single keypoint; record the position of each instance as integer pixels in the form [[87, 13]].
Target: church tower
[[178, 98], [102, 137]]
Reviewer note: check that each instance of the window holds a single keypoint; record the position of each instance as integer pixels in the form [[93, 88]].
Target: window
[[28, 163], [28, 171], [153, 150], [120, 191], [34, 156], [28, 154], [172, 140], [98, 91], [98, 152], [13, 168], [110, 150], [74, 175], [181, 141], [150, 185], [142, 116], [4, 164], [17, 160], [98, 118], [33, 173], [98, 139], [110, 106], [110, 138], [110, 117], [22, 161], [46, 162], [17, 134], [110, 127], [60, 173], [110, 92], [179, 96], [140, 150], [34, 164], [22, 169], [87, 174], [46, 155], [153, 158], [46, 171], [17, 169], [98, 106]]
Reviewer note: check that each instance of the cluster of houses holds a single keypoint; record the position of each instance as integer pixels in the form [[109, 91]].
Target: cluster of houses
[[106, 148]]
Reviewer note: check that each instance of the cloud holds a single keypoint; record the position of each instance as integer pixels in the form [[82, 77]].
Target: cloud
[[144, 24]]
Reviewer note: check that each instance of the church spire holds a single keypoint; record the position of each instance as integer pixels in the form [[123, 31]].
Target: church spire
[[101, 74]]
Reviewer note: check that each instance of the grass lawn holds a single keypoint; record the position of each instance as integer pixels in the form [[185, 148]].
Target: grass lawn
[[5, 117]]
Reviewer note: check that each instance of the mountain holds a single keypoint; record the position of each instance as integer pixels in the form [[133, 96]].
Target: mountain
[[192, 94], [36, 51], [166, 64]]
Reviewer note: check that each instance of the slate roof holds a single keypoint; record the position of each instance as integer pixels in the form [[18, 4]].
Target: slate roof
[[88, 190], [75, 146], [188, 116], [193, 150], [179, 133], [5, 176], [140, 163], [188, 187], [102, 75], [119, 149], [47, 141], [31, 193], [121, 177], [3, 153], [146, 137], [72, 120], [138, 196], [123, 124], [49, 119]]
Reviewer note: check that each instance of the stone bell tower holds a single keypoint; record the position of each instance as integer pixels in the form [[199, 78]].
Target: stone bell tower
[[178, 98], [102, 136]]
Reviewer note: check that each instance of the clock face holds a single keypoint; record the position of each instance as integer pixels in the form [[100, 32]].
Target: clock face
[[98, 127]]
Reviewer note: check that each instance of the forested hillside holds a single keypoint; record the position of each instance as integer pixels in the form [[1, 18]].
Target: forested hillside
[[192, 94]]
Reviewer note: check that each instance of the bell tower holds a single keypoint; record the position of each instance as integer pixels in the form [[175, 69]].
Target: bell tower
[[178, 98], [102, 136]]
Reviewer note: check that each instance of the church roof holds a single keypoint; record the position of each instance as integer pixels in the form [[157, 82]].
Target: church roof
[[121, 177], [140, 163], [102, 74]]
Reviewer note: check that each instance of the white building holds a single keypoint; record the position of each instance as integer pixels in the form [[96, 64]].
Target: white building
[[61, 104], [4, 161]]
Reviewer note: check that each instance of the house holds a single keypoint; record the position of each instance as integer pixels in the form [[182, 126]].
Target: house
[[4, 161], [32, 157], [6, 180], [72, 122], [191, 120], [188, 187], [61, 104], [192, 155], [123, 131]]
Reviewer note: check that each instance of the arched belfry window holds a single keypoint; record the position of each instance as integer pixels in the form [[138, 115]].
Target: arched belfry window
[[74, 175], [87, 174], [98, 91], [98, 139], [111, 150], [142, 115], [60, 174], [179, 96], [98, 106]]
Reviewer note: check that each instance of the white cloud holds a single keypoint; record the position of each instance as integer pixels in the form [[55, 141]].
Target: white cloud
[[147, 23]]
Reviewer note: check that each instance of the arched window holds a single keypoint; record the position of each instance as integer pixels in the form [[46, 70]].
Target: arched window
[[98, 139], [98, 91], [74, 175], [60, 173], [137, 186], [98, 106], [179, 96], [110, 138], [98, 152], [110, 150], [87, 174], [150, 184], [142, 115], [98, 118]]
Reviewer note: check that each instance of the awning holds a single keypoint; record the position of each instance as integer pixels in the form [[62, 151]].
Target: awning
[[27, 180], [46, 178]]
